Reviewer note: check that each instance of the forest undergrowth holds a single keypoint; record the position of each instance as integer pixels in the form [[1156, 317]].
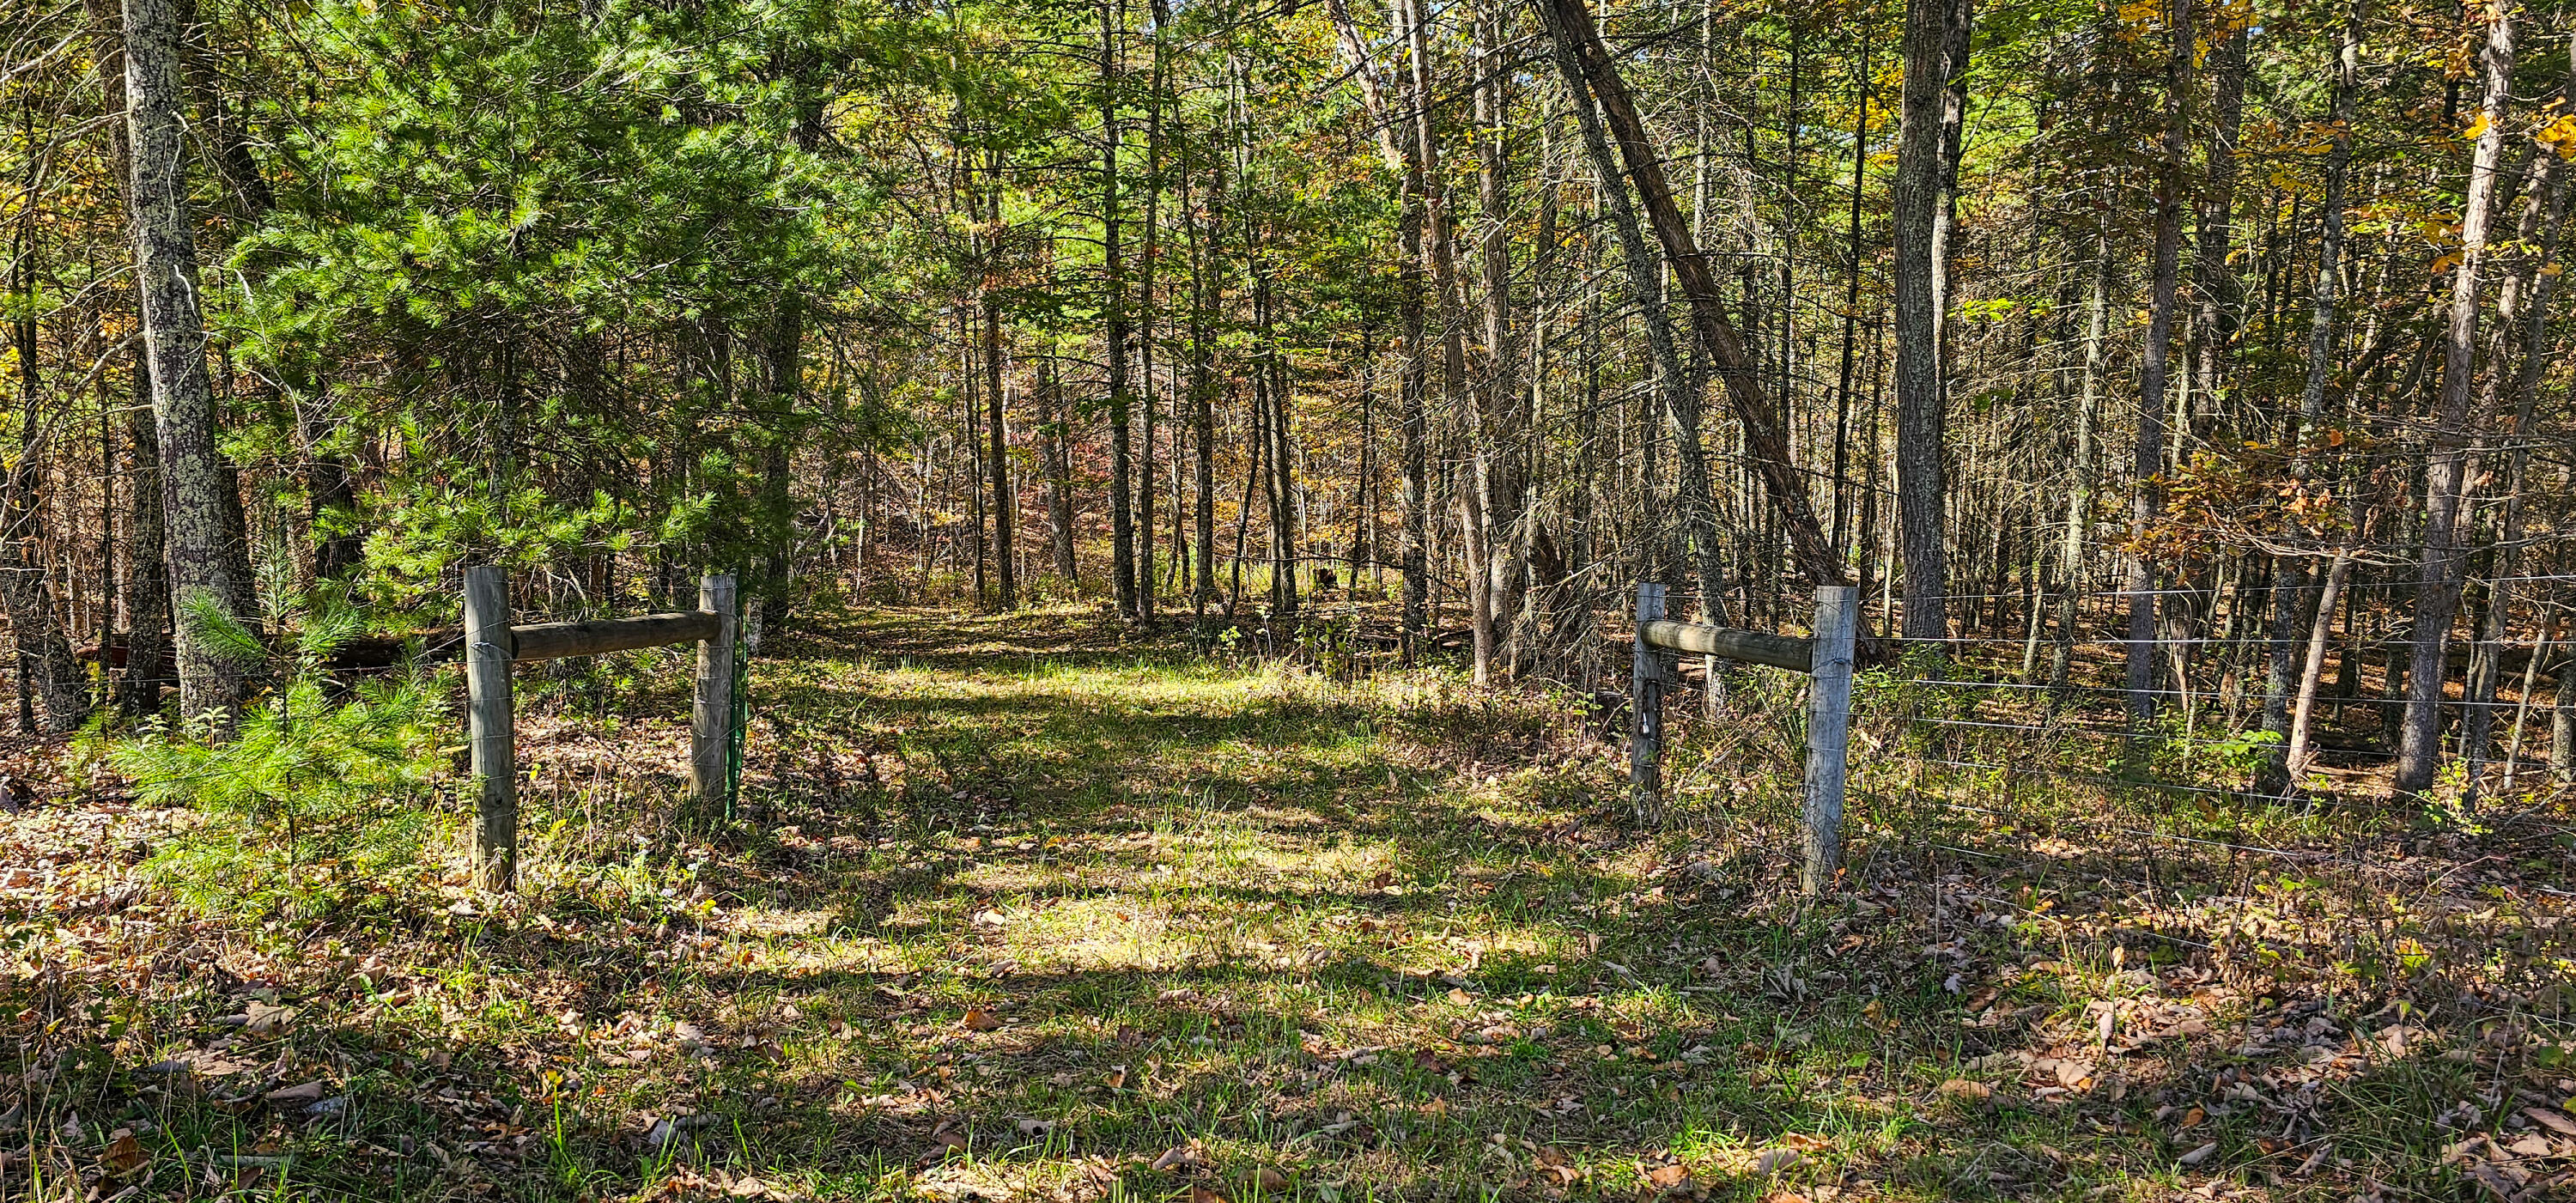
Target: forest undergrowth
[[1029, 908]]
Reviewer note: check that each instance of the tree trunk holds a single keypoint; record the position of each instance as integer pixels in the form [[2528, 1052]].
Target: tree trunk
[[146, 588], [2079, 492], [1203, 420], [1675, 381], [1153, 262], [2522, 307], [2214, 285], [207, 569], [1502, 417], [48, 674], [2562, 724], [1398, 146], [1765, 442], [148, 663], [1204, 247], [2296, 752], [1253, 424], [2146, 495], [2437, 597], [2290, 577], [1921, 493], [1363, 547], [1851, 310], [1122, 513], [997, 437], [1059, 470]]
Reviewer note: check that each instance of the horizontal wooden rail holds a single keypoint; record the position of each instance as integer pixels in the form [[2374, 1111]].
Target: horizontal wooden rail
[[599, 636], [1728, 643]]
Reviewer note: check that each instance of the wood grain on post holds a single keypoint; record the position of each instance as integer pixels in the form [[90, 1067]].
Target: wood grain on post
[[1828, 732], [1646, 703], [711, 715], [555, 640], [488, 715]]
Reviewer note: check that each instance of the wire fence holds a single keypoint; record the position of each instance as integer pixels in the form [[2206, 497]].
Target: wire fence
[[2024, 756]]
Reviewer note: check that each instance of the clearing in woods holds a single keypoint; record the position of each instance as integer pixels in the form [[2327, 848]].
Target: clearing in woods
[[1021, 909]]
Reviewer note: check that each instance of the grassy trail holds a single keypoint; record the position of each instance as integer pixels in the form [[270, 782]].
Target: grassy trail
[[1019, 910]]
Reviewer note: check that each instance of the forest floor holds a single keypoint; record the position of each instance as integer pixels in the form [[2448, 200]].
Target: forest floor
[[1027, 909]]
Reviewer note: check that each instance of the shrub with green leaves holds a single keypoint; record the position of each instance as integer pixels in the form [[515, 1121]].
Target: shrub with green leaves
[[323, 791]]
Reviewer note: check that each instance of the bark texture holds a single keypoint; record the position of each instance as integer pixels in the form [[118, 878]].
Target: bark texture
[[207, 568]]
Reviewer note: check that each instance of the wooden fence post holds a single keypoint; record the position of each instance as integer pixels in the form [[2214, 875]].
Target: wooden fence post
[[494, 749], [1828, 732], [711, 714], [1646, 706]]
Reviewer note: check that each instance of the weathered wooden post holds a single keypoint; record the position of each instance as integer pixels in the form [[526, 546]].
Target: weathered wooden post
[[1828, 731], [1646, 705], [488, 650], [711, 714]]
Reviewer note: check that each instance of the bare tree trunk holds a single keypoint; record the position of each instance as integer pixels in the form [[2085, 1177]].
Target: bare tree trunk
[[2522, 309], [47, 671], [1921, 493], [1253, 423], [2214, 284], [2522, 306], [2320, 633], [1059, 470], [207, 569], [1674, 380], [1765, 442], [970, 423], [1203, 244], [1502, 417], [1957, 32], [2146, 498], [2290, 576], [1285, 532], [2562, 724], [1851, 310], [148, 663], [2079, 492], [1153, 262], [1122, 470], [1440, 248], [1398, 146], [1363, 549], [997, 436], [2437, 600]]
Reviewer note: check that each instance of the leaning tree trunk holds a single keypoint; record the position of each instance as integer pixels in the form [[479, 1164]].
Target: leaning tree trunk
[[207, 569], [1674, 380], [2296, 749], [2437, 598], [1766, 443]]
